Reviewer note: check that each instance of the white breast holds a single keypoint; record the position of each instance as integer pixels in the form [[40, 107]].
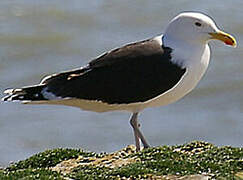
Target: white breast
[[195, 70]]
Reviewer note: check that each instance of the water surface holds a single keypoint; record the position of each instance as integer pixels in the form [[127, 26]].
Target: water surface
[[38, 38]]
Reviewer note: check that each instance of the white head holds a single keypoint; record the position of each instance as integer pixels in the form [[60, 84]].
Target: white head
[[194, 27]]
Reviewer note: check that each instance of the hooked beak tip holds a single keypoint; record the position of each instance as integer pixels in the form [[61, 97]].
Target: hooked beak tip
[[224, 37]]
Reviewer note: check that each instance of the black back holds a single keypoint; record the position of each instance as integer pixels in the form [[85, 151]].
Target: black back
[[133, 73]]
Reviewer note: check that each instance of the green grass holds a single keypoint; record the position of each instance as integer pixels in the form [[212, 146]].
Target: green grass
[[188, 159], [29, 174], [49, 158]]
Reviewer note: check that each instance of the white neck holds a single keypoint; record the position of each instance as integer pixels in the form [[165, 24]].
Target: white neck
[[185, 54]]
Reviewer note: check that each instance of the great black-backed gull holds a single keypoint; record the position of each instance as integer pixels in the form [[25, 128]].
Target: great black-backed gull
[[148, 73]]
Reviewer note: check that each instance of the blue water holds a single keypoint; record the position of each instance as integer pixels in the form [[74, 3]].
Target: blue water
[[38, 38]]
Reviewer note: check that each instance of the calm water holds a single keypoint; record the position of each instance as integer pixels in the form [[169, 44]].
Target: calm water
[[38, 38]]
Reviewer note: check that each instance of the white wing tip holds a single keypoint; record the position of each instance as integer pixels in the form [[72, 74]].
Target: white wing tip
[[8, 91], [11, 91]]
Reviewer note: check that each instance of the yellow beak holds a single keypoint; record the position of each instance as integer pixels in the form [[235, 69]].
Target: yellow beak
[[226, 38]]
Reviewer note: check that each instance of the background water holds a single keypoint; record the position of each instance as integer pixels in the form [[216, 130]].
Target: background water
[[38, 38]]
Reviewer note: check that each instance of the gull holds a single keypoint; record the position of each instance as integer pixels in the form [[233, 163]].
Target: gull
[[154, 72]]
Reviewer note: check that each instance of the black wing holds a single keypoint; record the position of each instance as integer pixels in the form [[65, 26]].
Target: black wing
[[133, 73]]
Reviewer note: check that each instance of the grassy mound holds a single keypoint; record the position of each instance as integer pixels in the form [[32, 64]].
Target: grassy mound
[[195, 160]]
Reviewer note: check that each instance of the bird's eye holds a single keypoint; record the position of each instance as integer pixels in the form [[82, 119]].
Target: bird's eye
[[198, 24]]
